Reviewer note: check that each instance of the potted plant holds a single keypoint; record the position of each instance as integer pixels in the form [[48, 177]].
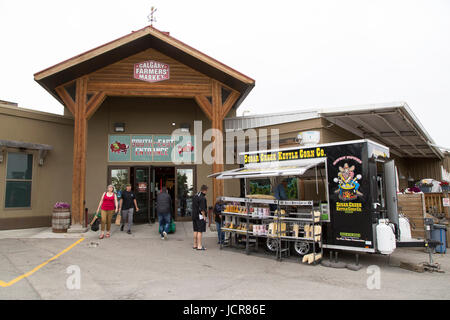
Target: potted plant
[[61, 217], [424, 186], [444, 186]]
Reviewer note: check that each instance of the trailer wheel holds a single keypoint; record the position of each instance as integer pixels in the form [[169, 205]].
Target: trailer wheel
[[272, 244], [301, 247]]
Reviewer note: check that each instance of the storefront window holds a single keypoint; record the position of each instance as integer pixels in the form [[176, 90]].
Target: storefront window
[[18, 180], [119, 179], [185, 191]]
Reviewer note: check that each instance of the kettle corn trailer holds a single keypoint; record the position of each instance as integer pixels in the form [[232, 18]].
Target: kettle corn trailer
[[358, 200]]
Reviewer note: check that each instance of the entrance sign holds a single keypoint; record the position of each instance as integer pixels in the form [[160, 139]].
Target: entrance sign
[[151, 148], [142, 187], [141, 148], [119, 148], [151, 71]]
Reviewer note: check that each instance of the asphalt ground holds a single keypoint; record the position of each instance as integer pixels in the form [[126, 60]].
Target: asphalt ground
[[142, 266]]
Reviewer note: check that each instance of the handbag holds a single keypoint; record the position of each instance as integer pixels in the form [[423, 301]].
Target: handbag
[[95, 225]]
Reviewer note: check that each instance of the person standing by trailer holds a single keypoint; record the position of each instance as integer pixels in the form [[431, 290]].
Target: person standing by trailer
[[279, 193], [280, 190], [199, 209], [218, 208], [108, 204], [164, 211], [127, 205]]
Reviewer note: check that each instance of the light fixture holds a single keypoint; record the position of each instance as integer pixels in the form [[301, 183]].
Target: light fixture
[[185, 127], [173, 124], [119, 127]]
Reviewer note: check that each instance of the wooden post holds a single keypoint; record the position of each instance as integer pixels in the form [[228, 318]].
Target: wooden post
[[217, 123], [79, 153], [301, 186], [82, 111]]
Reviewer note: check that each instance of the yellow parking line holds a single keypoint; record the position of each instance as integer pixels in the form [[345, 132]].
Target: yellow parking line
[[29, 273]]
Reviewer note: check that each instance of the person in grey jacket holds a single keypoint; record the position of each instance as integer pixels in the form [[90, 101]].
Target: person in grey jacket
[[164, 211]]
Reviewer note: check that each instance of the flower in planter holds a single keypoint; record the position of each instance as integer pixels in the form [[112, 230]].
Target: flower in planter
[[443, 184], [424, 184], [414, 190], [61, 205]]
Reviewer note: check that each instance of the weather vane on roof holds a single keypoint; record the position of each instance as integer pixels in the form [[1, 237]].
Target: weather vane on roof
[[151, 16]]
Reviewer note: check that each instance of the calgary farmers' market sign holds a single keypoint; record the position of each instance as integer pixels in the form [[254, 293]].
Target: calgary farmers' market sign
[[150, 148], [151, 71]]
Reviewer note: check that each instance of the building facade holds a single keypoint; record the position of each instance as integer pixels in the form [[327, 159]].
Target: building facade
[[122, 103]]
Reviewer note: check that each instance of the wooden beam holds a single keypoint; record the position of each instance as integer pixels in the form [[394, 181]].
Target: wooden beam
[[65, 97], [234, 96], [204, 104], [94, 104]]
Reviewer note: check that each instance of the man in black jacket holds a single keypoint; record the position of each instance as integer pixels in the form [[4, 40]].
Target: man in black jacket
[[164, 211], [218, 208], [199, 211]]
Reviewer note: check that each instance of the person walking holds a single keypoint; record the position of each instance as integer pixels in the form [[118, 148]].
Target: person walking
[[218, 208], [199, 207], [164, 211], [127, 205], [108, 205]]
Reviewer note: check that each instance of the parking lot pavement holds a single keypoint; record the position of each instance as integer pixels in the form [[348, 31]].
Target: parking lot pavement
[[142, 266]]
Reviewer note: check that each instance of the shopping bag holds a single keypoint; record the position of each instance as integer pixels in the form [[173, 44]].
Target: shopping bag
[[118, 219], [173, 227], [95, 224]]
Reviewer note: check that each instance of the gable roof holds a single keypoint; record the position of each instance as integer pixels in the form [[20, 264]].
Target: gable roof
[[135, 42]]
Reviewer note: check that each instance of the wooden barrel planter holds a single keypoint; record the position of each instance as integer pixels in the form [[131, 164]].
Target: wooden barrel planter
[[60, 220]]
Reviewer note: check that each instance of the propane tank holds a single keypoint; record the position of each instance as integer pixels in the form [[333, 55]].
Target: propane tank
[[385, 237], [405, 228]]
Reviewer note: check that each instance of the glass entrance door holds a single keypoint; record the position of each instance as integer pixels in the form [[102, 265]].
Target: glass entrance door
[[185, 189]]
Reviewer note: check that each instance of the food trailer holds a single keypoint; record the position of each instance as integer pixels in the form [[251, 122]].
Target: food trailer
[[354, 191]]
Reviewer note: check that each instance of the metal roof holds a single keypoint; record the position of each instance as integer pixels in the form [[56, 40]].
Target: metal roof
[[268, 119], [391, 124]]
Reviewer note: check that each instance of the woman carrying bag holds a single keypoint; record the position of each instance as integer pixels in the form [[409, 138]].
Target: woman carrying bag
[[108, 205]]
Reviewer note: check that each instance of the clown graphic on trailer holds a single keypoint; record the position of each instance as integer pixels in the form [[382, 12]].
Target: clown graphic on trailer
[[348, 183]]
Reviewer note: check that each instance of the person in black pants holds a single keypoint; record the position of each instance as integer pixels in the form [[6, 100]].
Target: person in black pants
[[127, 205], [164, 211], [199, 211]]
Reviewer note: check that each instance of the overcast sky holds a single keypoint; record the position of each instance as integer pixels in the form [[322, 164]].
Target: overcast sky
[[302, 54]]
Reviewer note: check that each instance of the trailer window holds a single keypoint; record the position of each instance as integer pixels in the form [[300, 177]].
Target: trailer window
[[260, 186]]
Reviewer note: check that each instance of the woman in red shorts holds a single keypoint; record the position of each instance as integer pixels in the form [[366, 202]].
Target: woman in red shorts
[[108, 204]]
